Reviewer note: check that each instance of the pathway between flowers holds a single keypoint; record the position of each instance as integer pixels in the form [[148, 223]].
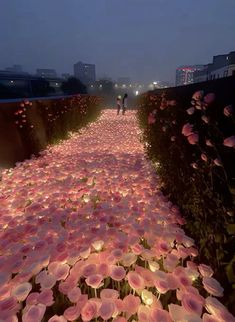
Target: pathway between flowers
[[86, 235]]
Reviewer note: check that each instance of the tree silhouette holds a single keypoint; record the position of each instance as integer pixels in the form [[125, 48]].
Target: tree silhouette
[[73, 86]]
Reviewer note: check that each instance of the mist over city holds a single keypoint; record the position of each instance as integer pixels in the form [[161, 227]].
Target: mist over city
[[144, 40]]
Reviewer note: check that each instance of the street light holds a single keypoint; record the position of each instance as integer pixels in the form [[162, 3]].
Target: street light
[[154, 84]]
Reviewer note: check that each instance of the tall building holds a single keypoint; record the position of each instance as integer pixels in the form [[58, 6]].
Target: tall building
[[185, 74], [85, 72], [46, 73], [222, 66]]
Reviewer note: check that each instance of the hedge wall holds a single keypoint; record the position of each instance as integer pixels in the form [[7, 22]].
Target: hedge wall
[[189, 134], [28, 126]]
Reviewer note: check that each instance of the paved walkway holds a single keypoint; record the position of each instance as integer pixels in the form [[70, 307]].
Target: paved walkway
[[91, 208]]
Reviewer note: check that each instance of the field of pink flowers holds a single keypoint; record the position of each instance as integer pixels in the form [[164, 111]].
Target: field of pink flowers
[[86, 235]]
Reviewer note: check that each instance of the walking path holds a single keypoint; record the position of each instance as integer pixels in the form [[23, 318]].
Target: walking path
[[86, 220]]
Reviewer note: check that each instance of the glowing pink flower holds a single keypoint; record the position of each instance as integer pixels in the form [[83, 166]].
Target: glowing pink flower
[[193, 138], [204, 157], [230, 141], [48, 281], [74, 294], [60, 271], [190, 110], [89, 269], [117, 253], [34, 313], [209, 318], [120, 319], [209, 143], [187, 129], [218, 162], [117, 273], [95, 280], [72, 313], [107, 293], [178, 313], [46, 297], [228, 110], [8, 307], [129, 259], [205, 119], [89, 311], [135, 280], [212, 286], [56, 318], [206, 271], [194, 165], [143, 313], [192, 303], [159, 315], [161, 285], [32, 298], [197, 96], [214, 307], [106, 309], [131, 304], [21, 291], [170, 262]]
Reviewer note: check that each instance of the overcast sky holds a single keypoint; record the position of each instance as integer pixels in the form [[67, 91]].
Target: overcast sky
[[143, 39]]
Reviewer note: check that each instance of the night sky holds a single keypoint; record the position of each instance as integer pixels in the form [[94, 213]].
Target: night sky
[[143, 39]]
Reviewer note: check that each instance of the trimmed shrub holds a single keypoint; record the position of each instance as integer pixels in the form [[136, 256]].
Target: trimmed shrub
[[27, 127], [189, 134]]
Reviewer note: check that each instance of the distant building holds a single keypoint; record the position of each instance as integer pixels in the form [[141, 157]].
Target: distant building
[[46, 73], [17, 69], [222, 66], [185, 74], [85, 72]]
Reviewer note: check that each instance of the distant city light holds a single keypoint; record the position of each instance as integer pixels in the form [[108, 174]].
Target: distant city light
[[101, 86], [12, 81], [136, 93]]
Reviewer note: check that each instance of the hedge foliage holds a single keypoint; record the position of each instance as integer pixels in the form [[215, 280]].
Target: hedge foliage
[[185, 130], [27, 127]]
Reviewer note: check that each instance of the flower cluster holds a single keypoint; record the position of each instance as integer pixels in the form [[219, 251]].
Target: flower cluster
[[87, 235], [208, 131]]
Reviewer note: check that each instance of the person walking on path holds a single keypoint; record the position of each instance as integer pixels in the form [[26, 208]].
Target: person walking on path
[[124, 104], [118, 104]]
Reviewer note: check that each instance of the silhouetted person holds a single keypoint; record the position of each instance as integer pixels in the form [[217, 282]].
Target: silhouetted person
[[124, 104], [118, 104]]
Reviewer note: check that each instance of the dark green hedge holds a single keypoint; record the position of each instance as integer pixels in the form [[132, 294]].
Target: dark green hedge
[[27, 127], [203, 189]]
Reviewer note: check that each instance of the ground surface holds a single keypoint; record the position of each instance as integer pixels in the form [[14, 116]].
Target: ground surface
[[88, 213]]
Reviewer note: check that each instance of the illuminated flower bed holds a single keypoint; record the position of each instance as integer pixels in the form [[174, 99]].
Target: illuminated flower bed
[[86, 235]]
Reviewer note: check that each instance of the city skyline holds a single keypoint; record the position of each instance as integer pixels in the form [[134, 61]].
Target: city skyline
[[143, 40]]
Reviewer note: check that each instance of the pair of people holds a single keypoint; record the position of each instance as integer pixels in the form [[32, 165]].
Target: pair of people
[[122, 103]]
